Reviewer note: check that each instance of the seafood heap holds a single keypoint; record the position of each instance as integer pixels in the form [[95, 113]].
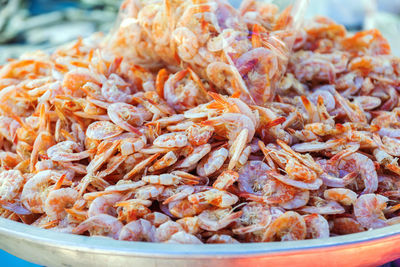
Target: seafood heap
[[96, 143], [242, 51]]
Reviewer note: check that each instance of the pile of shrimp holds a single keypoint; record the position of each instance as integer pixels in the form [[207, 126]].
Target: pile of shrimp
[[95, 143], [243, 50]]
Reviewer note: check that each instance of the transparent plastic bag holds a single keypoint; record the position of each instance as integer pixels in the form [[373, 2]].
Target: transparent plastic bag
[[240, 51]]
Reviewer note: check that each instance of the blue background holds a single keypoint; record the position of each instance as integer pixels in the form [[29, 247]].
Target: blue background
[[10, 260]]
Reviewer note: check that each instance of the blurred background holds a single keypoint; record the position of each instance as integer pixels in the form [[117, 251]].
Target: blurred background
[[44, 24]]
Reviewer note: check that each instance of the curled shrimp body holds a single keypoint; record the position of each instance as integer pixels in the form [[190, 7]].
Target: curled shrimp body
[[36, 189], [127, 116], [183, 93], [253, 177], [140, 230], [197, 154], [104, 204], [287, 227], [342, 195], [322, 206], [214, 197], [167, 229], [214, 220], [186, 49], [115, 89], [11, 183], [259, 66], [101, 130], [317, 226], [212, 162], [59, 200], [102, 224], [368, 210], [182, 237], [63, 151], [170, 140], [360, 163], [229, 125]]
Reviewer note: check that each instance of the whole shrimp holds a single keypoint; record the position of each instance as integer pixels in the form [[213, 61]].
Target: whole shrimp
[[289, 226], [11, 183], [102, 224], [140, 230], [36, 190], [368, 210], [127, 116], [59, 200], [63, 151]]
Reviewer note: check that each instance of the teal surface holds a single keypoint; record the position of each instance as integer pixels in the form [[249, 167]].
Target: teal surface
[[10, 260]]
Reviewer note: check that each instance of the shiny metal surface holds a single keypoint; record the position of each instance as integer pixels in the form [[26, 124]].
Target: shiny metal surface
[[49, 248]]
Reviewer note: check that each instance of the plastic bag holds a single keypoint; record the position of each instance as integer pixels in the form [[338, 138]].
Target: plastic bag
[[240, 51]]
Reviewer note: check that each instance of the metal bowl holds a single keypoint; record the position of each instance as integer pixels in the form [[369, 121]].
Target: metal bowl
[[50, 248]]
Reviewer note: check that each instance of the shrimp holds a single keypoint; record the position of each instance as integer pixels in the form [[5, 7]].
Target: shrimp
[[127, 116], [171, 140], [225, 180], [360, 163], [166, 230], [198, 135], [215, 197], [115, 89], [317, 226], [11, 183], [217, 219], [59, 200], [186, 42], [183, 93], [368, 210], [197, 154], [260, 66], [101, 130], [167, 160], [156, 218], [103, 204], [212, 162], [322, 206], [140, 230], [63, 151], [36, 190], [102, 224], [237, 148], [287, 227], [133, 209], [345, 225], [190, 224], [182, 237], [169, 179], [298, 184], [229, 125], [222, 239], [343, 196], [253, 177]]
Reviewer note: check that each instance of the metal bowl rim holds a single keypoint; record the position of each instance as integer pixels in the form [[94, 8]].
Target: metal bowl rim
[[160, 250]]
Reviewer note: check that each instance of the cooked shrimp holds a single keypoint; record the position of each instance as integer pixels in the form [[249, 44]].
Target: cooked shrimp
[[289, 226], [63, 151], [59, 200], [140, 230], [317, 226], [102, 224], [368, 210]]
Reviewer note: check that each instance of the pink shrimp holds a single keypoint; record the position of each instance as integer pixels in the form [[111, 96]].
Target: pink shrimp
[[127, 116], [368, 210], [63, 151], [102, 224], [140, 230]]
